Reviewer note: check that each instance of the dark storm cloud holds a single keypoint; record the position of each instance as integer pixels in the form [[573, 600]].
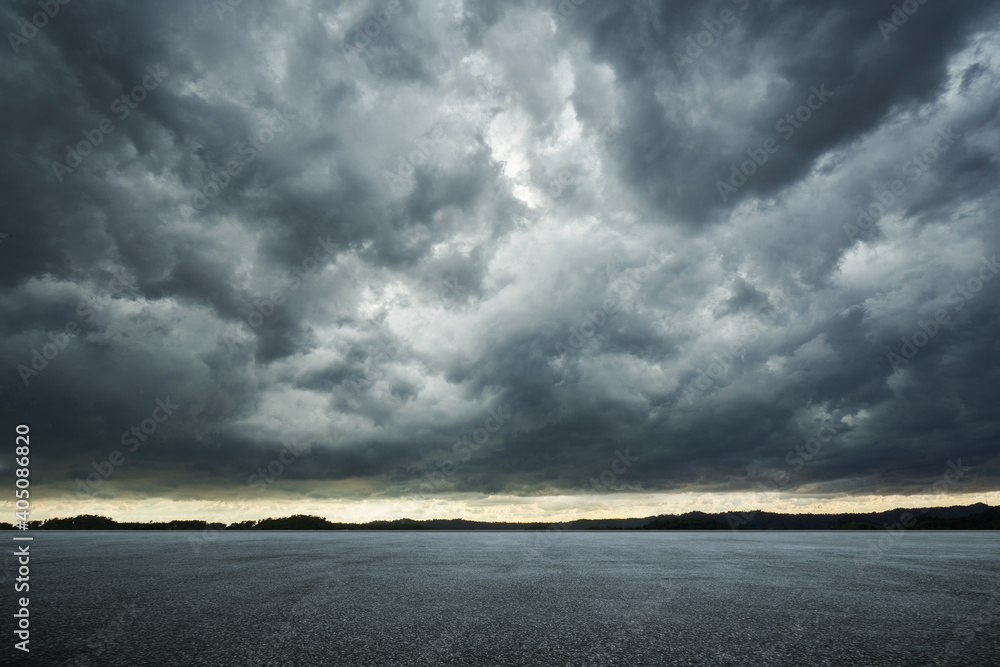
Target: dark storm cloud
[[834, 47], [365, 246]]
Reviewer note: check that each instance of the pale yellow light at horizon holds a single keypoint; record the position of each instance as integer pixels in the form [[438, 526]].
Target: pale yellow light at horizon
[[482, 507]]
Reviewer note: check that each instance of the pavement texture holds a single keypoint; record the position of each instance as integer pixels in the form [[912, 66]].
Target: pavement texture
[[533, 598]]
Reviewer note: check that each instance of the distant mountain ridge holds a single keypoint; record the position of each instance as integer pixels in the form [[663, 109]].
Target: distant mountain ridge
[[979, 516]]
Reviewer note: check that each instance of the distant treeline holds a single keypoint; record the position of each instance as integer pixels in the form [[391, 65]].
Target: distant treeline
[[296, 522], [971, 517]]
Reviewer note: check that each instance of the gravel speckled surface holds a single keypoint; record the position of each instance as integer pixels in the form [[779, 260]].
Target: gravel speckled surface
[[597, 598]]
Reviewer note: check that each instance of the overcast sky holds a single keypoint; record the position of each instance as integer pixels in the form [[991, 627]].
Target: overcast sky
[[520, 260]]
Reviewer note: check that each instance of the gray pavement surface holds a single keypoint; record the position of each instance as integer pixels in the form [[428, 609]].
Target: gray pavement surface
[[552, 598]]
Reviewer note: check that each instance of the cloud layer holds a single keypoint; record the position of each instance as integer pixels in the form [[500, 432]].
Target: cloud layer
[[430, 254]]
